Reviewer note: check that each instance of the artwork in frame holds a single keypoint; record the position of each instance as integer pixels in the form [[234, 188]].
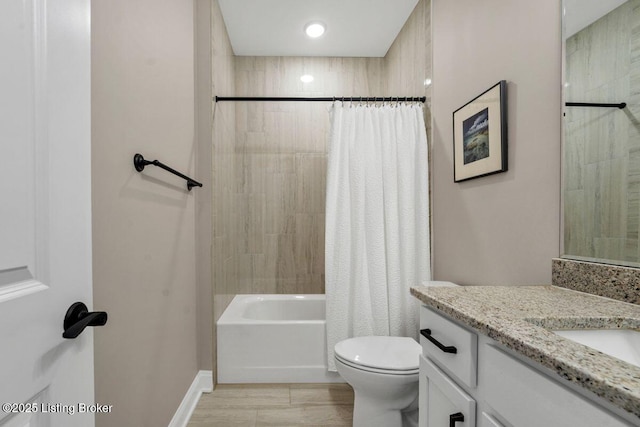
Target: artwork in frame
[[480, 135]]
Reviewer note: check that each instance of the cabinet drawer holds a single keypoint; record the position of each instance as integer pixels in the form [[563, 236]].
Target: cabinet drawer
[[445, 333], [444, 403], [525, 397]]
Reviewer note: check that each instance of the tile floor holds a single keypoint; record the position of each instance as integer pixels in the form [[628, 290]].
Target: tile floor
[[281, 405]]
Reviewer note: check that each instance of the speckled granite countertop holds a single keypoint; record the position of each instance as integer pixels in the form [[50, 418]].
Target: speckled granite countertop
[[519, 317]]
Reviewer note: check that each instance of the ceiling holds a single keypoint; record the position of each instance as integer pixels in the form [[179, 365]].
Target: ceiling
[[579, 14], [359, 28]]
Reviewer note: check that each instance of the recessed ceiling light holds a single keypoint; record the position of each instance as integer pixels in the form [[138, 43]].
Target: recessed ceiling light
[[314, 29], [427, 82], [307, 78]]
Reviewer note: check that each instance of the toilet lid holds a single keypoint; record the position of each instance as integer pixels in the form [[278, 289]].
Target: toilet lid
[[388, 353]]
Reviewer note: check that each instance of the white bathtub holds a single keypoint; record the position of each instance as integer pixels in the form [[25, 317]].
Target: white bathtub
[[273, 339]]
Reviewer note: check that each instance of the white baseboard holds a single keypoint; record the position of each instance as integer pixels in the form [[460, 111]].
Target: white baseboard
[[202, 383]]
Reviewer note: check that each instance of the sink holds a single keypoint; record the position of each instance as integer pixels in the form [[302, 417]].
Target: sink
[[623, 344]]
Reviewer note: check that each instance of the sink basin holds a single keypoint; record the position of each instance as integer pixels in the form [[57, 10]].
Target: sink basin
[[623, 344]]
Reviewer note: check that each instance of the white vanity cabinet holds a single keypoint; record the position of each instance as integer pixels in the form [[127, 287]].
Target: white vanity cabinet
[[483, 384]]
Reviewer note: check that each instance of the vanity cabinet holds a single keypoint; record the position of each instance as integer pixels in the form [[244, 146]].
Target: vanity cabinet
[[469, 380]]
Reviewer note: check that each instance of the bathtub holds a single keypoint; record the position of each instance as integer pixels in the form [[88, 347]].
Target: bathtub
[[273, 339]]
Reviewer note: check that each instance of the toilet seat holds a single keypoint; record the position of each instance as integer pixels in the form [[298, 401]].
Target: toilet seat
[[380, 354], [375, 370]]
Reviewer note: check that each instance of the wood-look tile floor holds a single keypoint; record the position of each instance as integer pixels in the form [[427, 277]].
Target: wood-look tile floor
[[281, 405]]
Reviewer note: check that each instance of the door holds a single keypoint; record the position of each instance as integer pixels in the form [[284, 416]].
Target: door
[[443, 402], [45, 212]]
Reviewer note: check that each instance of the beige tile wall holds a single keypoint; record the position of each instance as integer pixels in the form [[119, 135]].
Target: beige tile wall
[[281, 154], [408, 64], [602, 146], [408, 61]]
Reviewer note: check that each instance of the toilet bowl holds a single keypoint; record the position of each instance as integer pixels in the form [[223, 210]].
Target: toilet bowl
[[383, 372]]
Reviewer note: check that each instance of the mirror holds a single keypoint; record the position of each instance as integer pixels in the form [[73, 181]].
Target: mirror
[[601, 143]]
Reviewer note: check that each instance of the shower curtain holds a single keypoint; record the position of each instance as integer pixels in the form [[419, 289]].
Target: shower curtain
[[377, 221]]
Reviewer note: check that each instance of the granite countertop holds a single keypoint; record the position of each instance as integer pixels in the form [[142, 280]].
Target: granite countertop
[[519, 317]]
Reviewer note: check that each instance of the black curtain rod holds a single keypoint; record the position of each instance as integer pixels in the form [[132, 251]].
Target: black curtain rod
[[139, 163], [323, 99], [594, 104]]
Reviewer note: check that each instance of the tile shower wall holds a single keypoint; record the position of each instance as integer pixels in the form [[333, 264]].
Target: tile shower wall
[[602, 146], [269, 159], [408, 68], [269, 172], [280, 168]]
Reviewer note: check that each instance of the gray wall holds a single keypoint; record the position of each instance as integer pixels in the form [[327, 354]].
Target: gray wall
[[222, 159], [502, 229], [204, 214], [143, 224]]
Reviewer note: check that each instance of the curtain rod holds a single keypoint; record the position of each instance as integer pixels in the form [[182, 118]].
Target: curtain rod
[[324, 99]]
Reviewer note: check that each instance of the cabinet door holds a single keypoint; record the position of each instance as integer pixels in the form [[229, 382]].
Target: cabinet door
[[525, 397], [442, 402]]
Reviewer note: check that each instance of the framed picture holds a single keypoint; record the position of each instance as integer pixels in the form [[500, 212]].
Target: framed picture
[[480, 135]]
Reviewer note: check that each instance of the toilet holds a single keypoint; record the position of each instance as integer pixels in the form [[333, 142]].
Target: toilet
[[383, 372]]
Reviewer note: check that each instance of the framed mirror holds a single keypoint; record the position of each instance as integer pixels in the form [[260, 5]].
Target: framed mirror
[[601, 141]]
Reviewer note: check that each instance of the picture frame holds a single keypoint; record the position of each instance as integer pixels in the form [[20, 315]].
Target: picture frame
[[480, 135]]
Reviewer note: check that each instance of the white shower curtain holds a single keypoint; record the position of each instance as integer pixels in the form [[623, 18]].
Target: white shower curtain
[[377, 221]]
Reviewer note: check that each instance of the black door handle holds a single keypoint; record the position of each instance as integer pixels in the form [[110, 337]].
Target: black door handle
[[446, 348], [78, 317], [454, 418]]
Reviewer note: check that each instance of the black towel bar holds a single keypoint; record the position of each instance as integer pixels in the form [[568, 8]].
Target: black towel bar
[[620, 105], [139, 162]]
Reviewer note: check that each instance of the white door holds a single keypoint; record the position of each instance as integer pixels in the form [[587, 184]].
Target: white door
[[45, 211]]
